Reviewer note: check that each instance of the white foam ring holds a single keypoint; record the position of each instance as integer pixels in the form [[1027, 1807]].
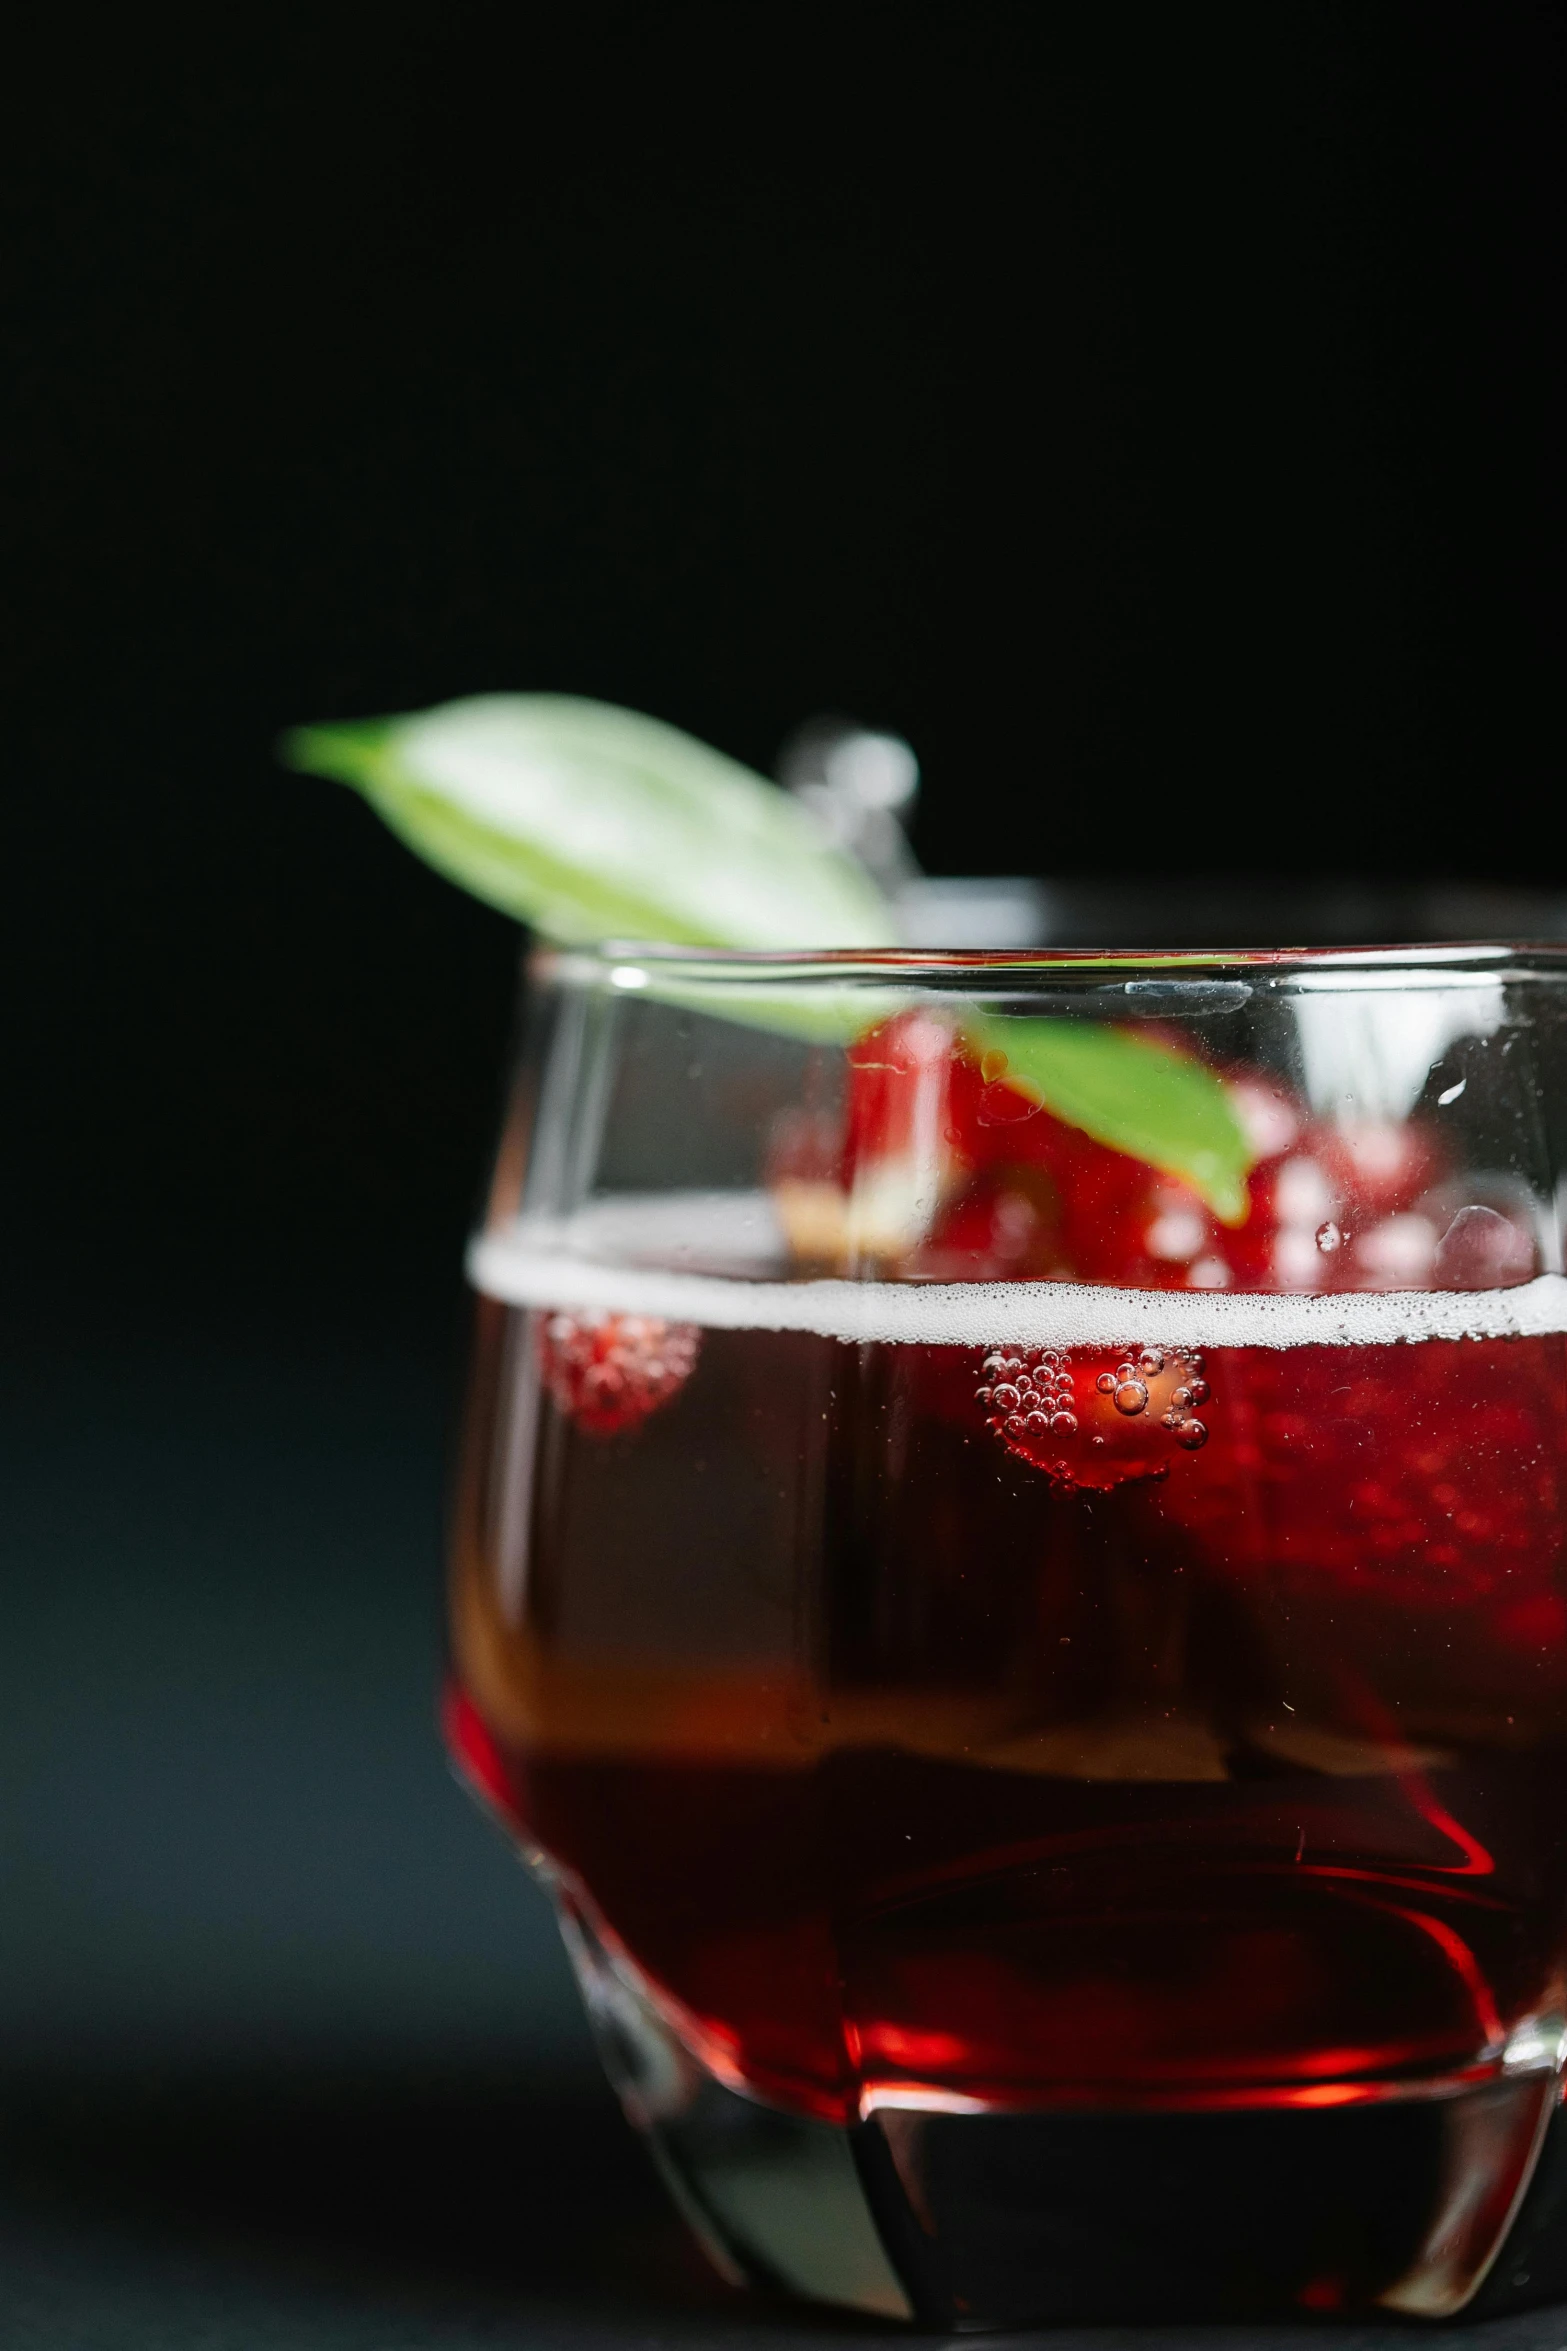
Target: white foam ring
[[530, 1263]]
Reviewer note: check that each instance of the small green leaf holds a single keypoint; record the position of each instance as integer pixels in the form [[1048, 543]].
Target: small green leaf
[[592, 823], [1151, 1101]]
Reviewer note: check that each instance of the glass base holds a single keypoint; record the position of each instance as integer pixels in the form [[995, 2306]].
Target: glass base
[[975, 2220]]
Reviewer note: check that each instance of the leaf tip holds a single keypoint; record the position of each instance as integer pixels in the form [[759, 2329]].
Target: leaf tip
[[1231, 1204], [344, 749], [296, 748], [1224, 1187]]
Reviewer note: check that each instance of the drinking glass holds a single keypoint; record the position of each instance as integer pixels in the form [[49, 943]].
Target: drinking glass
[[1009, 1581]]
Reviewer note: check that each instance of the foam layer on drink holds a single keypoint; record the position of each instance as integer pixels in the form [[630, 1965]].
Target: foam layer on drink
[[634, 1255]]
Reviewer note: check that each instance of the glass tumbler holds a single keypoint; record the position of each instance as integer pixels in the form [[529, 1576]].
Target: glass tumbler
[[1009, 1579]]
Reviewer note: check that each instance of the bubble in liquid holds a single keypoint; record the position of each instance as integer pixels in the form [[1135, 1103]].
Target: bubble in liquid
[[1151, 1361], [1097, 1443], [992, 1066], [1064, 1424], [1037, 1423], [1006, 1397], [1171, 1419], [1107, 1383], [1130, 1397], [1192, 1434], [1329, 1238], [1199, 1391], [1180, 1398]]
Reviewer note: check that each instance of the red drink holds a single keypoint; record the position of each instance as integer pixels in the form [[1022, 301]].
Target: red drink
[[914, 1759], [1018, 1603]]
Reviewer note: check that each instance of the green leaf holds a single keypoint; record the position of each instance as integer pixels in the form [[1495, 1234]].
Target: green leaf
[[1149, 1100], [592, 823]]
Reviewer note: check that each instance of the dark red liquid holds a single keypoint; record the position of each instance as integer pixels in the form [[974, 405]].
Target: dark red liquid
[[901, 1771]]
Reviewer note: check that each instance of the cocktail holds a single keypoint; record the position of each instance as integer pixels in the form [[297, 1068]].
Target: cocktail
[[1036, 1674], [1009, 1578]]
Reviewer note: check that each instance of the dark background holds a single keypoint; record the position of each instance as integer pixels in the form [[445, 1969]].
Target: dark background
[[1155, 415]]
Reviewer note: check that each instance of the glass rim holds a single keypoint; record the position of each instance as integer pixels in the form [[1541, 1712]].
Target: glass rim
[[619, 962]]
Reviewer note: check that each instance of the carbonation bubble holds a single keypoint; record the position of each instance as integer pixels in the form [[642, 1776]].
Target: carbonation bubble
[[1036, 1423], [1106, 1383], [1329, 1238], [1130, 1397], [1192, 1435], [1171, 1419], [1180, 1398], [1006, 1397], [1200, 1391], [1063, 1424], [1150, 1361]]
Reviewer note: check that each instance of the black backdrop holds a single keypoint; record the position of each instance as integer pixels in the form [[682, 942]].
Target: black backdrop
[[1155, 415]]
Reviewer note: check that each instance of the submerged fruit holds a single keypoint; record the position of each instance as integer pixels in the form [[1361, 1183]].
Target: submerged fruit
[[607, 1372], [1090, 1427]]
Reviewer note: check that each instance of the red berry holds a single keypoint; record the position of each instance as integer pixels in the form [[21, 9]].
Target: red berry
[[901, 1079], [1429, 1475], [950, 1173], [1085, 1427], [607, 1372]]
